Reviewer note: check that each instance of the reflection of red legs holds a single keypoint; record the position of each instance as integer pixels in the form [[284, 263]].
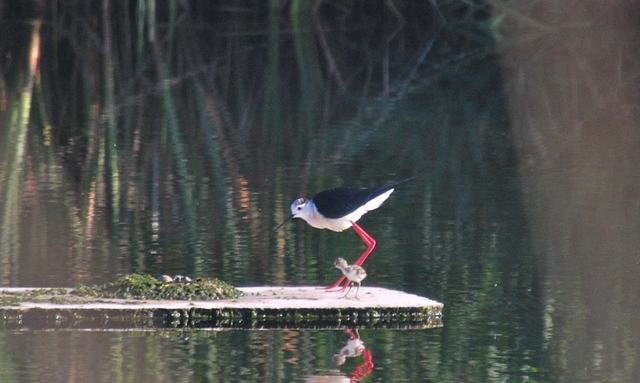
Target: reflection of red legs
[[363, 369], [352, 334], [369, 242]]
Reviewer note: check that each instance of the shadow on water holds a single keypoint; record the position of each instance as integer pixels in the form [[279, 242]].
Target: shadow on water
[[170, 137]]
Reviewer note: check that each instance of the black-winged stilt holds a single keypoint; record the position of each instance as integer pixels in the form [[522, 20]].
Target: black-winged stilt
[[353, 273], [339, 209]]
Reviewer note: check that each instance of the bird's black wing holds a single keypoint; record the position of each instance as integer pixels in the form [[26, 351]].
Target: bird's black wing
[[338, 202]]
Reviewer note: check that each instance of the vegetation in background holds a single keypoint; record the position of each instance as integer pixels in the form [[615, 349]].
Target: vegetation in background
[[152, 122]]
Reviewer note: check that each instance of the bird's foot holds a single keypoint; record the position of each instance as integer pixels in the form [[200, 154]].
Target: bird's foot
[[336, 286], [330, 288]]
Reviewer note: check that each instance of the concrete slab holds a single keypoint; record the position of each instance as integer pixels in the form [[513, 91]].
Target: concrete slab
[[262, 306]]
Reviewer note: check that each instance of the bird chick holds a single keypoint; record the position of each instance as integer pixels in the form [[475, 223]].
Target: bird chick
[[354, 273]]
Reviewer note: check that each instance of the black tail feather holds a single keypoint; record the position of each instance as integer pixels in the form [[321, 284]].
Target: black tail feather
[[393, 185]]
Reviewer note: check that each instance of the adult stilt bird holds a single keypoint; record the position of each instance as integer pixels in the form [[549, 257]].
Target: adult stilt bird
[[339, 209]]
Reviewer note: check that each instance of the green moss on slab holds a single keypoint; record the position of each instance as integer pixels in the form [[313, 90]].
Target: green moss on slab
[[145, 286]]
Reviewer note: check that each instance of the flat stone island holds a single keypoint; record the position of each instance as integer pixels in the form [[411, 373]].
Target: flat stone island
[[257, 307]]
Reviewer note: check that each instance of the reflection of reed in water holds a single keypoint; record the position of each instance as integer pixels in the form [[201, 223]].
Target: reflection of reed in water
[[573, 97], [11, 189]]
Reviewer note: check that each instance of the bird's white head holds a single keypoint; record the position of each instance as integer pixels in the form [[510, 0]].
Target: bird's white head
[[301, 208]]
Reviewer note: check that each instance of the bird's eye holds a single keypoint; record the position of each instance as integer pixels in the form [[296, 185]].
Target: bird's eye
[[299, 207]]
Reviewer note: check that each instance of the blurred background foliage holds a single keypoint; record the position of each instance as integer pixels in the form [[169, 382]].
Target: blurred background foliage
[[151, 121]]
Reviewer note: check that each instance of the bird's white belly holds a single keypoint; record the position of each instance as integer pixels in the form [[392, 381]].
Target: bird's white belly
[[353, 348], [355, 275], [340, 224]]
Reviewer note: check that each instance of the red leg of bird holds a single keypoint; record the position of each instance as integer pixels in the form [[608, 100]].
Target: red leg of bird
[[337, 284], [369, 242]]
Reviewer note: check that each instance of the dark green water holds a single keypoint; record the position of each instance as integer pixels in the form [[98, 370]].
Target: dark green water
[[171, 141]]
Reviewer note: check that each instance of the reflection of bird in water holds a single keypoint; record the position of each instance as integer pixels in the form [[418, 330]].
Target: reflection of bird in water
[[354, 273], [327, 379], [353, 348]]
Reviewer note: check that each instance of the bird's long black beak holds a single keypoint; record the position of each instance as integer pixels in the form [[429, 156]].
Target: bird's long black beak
[[282, 224]]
